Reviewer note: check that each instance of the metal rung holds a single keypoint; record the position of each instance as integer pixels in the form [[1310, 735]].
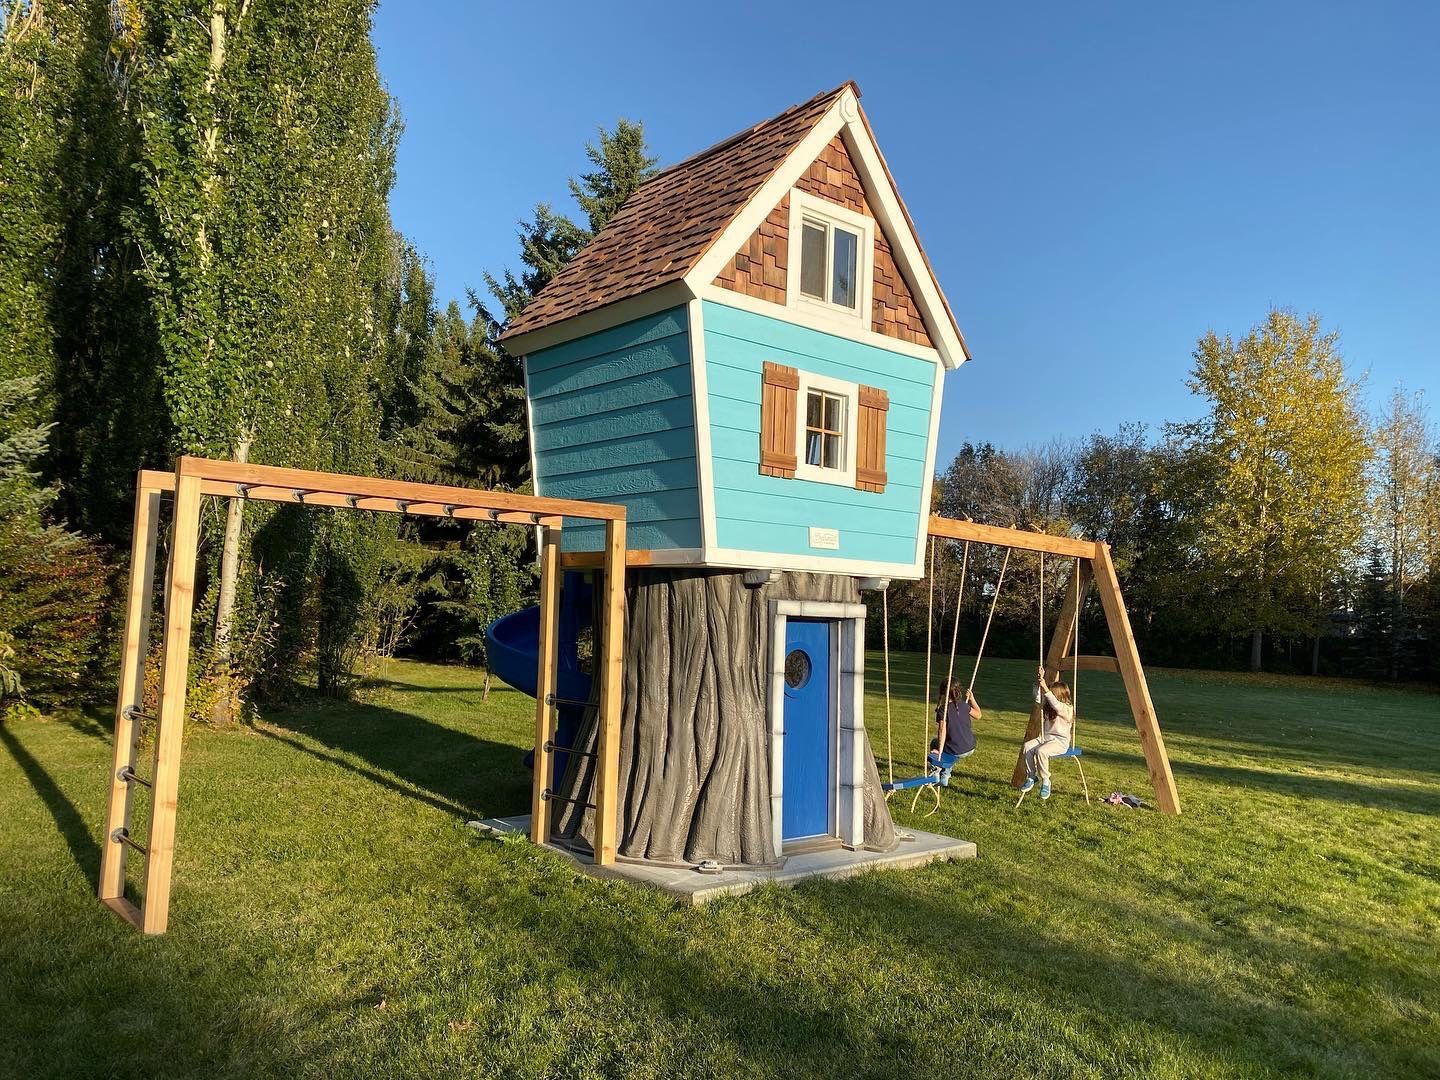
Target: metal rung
[[122, 836], [550, 796], [129, 775], [553, 699], [551, 748], [134, 712], [299, 494]]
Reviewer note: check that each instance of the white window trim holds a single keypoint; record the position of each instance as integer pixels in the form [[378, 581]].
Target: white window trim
[[822, 312], [850, 393]]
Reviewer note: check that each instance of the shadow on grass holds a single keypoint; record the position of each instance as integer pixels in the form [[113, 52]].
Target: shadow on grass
[[68, 820], [453, 770], [1394, 796]]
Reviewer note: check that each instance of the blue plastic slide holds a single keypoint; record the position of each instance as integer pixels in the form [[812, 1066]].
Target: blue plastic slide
[[513, 645]]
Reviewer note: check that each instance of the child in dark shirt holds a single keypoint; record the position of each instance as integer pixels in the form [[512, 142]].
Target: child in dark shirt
[[954, 740]]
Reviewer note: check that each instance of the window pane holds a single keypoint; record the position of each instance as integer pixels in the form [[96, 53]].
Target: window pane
[[812, 260], [843, 289], [812, 410], [832, 452], [812, 448], [832, 413]]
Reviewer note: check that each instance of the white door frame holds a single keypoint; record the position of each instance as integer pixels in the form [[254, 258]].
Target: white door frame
[[847, 713]]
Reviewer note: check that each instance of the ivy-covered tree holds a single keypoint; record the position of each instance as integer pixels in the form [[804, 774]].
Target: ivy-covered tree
[[1285, 444]]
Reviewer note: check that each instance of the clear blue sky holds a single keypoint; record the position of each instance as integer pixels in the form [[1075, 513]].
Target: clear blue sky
[[1096, 185]]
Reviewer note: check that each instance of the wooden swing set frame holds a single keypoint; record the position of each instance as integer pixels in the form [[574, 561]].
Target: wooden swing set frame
[[193, 479], [1096, 569]]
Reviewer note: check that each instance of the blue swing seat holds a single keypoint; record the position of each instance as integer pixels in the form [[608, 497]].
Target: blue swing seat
[[1074, 751], [913, 782]]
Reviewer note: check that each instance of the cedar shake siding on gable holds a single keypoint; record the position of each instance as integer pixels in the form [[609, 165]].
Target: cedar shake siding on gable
[[759, 268]]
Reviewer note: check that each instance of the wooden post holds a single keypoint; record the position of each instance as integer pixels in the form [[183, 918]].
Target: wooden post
[[611, 670], [134, 651], [1054, 653], [545, 682], [1136, 688], [170, 727]]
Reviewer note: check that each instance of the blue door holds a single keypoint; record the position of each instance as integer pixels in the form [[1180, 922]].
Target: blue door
[[808, 798]]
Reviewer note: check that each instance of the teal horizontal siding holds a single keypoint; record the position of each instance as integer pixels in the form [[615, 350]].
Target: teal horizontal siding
[[774, 515], [613, 420]]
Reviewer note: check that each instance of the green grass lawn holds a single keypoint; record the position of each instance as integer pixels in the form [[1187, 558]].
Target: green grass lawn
[[332, 916]]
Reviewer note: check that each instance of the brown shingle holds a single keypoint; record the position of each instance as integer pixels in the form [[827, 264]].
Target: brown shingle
[[641, 248]]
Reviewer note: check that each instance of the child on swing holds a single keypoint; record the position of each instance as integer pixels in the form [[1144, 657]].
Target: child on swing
[[955, 718], [1057, 719]]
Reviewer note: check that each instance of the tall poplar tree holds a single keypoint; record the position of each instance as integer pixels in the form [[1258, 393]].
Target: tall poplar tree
[[1285, 443]]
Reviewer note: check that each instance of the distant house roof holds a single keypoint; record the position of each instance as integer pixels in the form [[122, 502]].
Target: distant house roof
[[673, 220]]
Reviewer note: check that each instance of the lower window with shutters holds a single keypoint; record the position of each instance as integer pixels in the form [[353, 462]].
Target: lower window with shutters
[[825, 430]]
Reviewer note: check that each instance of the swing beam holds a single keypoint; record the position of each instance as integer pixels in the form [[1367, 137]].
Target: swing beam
[[1097, 570]]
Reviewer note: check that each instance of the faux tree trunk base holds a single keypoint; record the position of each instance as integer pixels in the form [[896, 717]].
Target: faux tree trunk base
[[695, 725]]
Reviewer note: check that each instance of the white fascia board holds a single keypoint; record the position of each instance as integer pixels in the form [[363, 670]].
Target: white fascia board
[[931, 449], [671, 294], [737, 233]]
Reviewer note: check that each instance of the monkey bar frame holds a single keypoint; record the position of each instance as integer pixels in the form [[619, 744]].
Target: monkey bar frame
[[195, 478]]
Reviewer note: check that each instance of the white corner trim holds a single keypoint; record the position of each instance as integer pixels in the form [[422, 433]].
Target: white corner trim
[[842, 320], [849, 393], [671, 294], [723, 248], [700, 395], [928, 480], [805, 316]]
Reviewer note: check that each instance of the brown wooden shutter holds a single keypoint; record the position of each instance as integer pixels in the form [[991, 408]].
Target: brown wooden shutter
[[870, 445], [777, 420]]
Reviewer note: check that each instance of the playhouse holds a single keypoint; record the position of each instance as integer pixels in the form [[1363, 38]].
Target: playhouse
[[733, 399], [749, 359]]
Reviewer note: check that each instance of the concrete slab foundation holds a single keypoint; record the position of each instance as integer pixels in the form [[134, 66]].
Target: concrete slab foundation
[[692, 887]]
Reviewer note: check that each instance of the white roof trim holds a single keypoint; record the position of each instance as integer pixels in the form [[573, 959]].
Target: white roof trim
[[842, 117]]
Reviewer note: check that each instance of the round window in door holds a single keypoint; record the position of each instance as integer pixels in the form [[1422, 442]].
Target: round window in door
[[797, 668]]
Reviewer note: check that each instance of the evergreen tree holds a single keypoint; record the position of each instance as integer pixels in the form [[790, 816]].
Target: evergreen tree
[[622, 163], [1285, 444]]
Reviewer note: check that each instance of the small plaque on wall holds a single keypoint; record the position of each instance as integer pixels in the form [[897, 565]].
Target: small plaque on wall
[[825, 539]]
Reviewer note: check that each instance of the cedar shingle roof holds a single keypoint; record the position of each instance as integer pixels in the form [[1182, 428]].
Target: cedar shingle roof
[[670, 222]]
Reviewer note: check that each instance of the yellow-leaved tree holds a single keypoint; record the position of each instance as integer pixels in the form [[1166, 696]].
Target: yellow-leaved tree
[[1285, 446]]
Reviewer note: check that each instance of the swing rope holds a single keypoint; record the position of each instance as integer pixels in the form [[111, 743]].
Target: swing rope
[[1075, 665], [929, 651], [955, 632], [985, 636]]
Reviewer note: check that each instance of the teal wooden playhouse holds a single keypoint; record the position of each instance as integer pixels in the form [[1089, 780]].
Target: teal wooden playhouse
[[749, 357]]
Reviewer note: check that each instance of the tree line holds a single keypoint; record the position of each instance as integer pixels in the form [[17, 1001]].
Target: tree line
[[1284, 529], [197, 257]]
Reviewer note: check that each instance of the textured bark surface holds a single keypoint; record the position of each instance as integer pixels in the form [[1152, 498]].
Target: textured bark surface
[[695, 726]]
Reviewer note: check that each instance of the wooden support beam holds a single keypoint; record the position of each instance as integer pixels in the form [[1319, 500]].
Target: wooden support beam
[[271, 476], [611, 670], [1019, 539], [594, 560], [1054, 653], [545, 683], [170, 726], [1089, 663], [1136, 688], [134, 651]]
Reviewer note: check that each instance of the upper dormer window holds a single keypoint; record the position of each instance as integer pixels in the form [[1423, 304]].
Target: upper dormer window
[[829, 263], [831, 252]]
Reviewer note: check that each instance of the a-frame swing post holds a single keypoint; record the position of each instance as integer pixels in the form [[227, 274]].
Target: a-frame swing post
[[170, 722], [140, 598], [1054, 653], [1136, 688], [611, 671], [546, 682]]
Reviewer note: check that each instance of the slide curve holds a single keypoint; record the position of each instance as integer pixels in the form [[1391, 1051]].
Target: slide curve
[[513, 646]]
